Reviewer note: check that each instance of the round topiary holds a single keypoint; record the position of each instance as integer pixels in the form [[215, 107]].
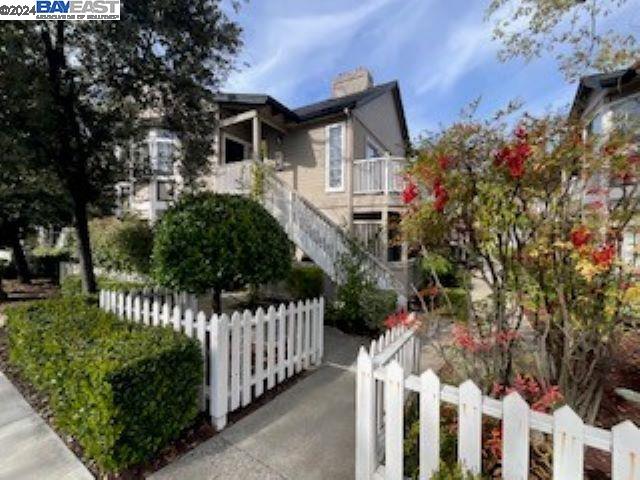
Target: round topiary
[[219, 242]]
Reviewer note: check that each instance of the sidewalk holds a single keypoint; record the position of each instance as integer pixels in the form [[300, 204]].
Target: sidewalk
[[305, 433], [29, 449]]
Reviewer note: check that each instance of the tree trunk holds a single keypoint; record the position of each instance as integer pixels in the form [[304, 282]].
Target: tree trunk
[[217, 301], [84, 247], [19, 258]]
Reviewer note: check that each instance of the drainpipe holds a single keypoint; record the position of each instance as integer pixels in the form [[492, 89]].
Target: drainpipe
[[349, 169]]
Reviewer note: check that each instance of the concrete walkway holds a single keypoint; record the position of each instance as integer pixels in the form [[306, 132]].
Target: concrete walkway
[[29, 449], [305, 433]]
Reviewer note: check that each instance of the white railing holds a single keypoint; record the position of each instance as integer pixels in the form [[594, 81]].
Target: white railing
[[378, 175], [244, 354], [233, 177], [318, 236], [569, 434]]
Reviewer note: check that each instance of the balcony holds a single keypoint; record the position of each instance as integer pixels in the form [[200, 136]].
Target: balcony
[[382, 175]]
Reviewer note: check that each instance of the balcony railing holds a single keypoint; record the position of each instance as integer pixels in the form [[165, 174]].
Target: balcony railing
[[378, 175]]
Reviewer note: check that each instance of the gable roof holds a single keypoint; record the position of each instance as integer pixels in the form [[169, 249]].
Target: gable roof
[[324, 108], [256, 99], [600, 81]]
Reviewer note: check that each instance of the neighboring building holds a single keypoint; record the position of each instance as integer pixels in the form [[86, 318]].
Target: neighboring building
[[604, 102], [345, 155]]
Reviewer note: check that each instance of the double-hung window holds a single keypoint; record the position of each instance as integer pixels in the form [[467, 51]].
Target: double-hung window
[[334, 159]]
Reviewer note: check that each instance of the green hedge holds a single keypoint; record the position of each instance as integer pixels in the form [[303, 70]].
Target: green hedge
[[72, 285], [305, 281], [123, 391]]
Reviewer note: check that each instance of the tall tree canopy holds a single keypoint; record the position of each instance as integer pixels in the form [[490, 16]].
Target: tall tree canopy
[[97, 81], [573, 29]]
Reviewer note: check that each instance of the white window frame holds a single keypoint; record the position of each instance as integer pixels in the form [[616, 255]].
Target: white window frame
[[327, 155], [246, 147]]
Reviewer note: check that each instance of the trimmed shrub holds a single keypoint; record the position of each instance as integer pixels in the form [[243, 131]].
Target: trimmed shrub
[[305, 281], [121, 390], [122, 245], [220, 242]]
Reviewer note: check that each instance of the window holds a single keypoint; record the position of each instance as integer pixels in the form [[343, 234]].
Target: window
[[334, 158], [165, 191], [165, 155], [631, 247], [373, 149]]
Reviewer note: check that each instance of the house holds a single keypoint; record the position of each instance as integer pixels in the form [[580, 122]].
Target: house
[[344, 155], [605, 102]]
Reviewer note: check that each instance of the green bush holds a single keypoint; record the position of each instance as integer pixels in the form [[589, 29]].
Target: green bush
[[220, 242], [71, 285], [305, 281], [122, 390], [360, 306], [122, 245]]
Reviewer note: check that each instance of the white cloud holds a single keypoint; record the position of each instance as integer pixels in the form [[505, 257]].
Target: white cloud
[[287, 52], [466, 47]]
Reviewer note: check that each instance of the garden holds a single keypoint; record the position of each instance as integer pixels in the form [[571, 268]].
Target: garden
[[521, 233], [127, 397]]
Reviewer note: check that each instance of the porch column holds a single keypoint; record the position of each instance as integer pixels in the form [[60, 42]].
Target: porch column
[[385, 234], [257, 138]]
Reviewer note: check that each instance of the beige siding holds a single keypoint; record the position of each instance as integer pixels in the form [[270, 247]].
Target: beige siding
[[379, 119], [304, 160]]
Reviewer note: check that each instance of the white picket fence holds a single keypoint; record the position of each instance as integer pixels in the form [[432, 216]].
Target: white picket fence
[[244, 354], [570, 435]]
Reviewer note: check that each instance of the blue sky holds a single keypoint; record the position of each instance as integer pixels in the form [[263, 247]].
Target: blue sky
[[441, 52]]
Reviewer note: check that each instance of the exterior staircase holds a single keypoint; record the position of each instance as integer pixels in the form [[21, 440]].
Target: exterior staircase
[[307, 227]]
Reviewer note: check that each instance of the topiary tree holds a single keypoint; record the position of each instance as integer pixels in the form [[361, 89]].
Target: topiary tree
[[220, 242], [122, 245]]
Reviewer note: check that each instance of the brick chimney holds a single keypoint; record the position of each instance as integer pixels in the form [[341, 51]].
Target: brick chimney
[[351, 82]]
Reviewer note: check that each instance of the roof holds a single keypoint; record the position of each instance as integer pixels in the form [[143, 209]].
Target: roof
[[325, 108], [255, 99], [600, 81]]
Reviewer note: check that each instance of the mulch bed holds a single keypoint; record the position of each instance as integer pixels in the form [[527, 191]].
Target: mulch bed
[[190, 438]]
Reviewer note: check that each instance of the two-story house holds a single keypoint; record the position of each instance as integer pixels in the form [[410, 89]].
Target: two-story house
[[344, 155], [605, 102]]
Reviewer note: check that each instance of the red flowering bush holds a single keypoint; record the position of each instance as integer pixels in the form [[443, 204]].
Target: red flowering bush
[[530, 215], [401, 318]]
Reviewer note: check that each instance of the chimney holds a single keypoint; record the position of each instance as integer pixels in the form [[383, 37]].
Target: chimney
[[351, 82]]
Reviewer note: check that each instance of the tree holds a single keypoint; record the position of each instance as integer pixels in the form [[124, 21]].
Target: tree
[[572, 29], [532, 215], [220, 242], [97, 79], [28, 198], [122, 245]]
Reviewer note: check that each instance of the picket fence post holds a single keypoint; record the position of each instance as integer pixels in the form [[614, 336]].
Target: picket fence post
[[515, 437], [236, 325], [470, 427], [429, 449], [219, 381], [626, 451], [259, 368], [281, 333], [394, 428], [246, 357], [271, 347], [568, 447], [291, 318], [365, 417]]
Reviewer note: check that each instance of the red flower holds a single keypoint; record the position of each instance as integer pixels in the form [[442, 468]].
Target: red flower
[[444, 161], [604, 255], [399, 318], [514, 158], [580, 236], [410, 192], [441, 194]]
